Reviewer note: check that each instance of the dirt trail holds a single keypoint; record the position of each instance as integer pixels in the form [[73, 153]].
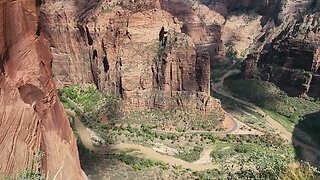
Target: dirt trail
[[281, 130], [152, 154], [148, 152], [205, 157]]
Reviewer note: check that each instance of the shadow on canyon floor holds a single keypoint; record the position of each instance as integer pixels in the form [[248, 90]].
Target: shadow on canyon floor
[[307, 131]]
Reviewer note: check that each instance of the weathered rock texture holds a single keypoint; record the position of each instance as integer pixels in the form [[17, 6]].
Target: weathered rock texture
[[32, 119], [289, 54], [201, 23], [138, 50]]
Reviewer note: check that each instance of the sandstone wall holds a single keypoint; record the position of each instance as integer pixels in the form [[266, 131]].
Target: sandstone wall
[[116, 45], [289, 55], [32, 119]]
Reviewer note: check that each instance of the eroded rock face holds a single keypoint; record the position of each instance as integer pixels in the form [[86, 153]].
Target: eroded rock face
[[32, 119], [201, 23], [290, 59], [136, 49]]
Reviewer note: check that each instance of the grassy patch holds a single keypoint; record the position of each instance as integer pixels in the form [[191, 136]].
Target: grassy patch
[[91, 101], [263, 163], [283, 120]]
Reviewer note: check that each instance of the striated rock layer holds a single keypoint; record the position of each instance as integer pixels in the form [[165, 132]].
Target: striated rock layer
[[151, 53], [32, 119], [289, 53]]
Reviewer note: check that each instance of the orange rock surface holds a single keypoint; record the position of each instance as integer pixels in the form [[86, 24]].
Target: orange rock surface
[[32, 119]]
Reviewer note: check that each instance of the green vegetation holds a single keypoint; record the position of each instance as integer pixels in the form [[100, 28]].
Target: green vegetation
[[192, 155], [91, 101], [180, 120], [210, 174], [283, 120], [267, 168], [267, 95], [233, 54], [31, 174], [303, 172], [228, 103], [223, 151], [262, 163], [138, 163], [161, 50], [255, 157], [220, 69]]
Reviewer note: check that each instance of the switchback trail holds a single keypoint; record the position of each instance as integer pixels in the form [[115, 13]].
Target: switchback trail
[[147, 152], [278, 127]]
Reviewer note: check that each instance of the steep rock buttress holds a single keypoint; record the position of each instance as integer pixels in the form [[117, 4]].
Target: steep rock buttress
[[32, 119]]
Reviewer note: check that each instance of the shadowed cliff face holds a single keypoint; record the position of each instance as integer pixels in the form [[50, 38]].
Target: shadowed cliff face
[[289, 53], [32, 119], [308, 130]]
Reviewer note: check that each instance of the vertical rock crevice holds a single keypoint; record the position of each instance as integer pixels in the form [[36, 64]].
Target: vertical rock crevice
[[32, 118]]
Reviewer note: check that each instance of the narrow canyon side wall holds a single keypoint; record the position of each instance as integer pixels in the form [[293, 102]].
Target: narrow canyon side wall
[[32, 119], [289, 55]]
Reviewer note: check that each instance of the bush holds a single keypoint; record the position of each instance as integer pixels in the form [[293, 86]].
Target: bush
[[304, 172], [243, 148], [138, 163], [191, 156], [92, 102], [29, 174], [262, 164]]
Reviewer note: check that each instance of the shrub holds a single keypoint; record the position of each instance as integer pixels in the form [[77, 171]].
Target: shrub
[[138, 163], [92, 102], [191, 156], [304, 172]]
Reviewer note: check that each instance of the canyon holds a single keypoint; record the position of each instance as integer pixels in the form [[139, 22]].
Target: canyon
[[151, 54]]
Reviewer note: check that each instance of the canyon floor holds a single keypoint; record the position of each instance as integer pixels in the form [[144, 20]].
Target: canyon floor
[[142, 151], [160, 89]]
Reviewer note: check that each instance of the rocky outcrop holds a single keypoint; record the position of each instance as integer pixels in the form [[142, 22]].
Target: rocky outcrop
[[269, 9], [32, 119], [246, 21], [291, 59], [136, 49], [201, 23]]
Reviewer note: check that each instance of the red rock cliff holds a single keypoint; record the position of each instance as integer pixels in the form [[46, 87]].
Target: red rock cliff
[[32, 119], [291, 58], [115, 44]]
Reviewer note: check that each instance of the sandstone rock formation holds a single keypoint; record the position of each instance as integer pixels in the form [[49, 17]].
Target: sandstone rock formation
[[136, 49], [32, 119], [201, 23], [289, 52]]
